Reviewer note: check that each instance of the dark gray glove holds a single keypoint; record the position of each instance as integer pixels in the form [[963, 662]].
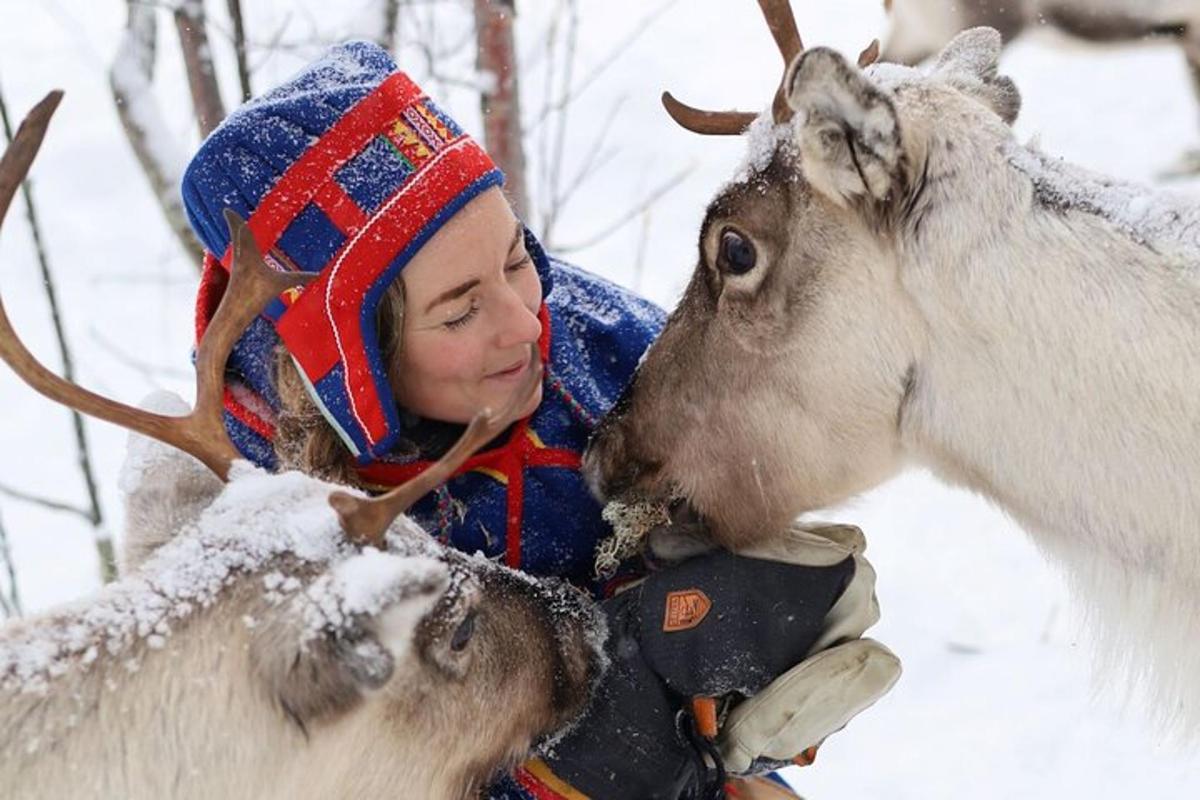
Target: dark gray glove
[[714, 626]]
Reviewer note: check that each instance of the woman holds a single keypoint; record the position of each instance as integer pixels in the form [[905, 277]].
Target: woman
[[432, 302]]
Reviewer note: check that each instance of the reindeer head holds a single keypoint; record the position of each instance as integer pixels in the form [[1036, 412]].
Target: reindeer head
[[779, 382], [471, 666], [466, 658]]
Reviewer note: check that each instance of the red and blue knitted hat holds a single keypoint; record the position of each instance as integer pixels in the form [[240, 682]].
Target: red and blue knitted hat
[[346, 170]]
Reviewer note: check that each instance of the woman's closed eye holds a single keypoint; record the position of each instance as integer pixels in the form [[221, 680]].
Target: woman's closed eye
[[463, 318], [522, 262]]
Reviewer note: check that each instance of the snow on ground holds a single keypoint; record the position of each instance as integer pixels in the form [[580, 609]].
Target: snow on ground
[[996, 700]]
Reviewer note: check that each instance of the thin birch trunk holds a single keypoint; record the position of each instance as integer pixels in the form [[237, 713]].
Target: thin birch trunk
[[197, 59], [239, 48], [130, 79], [500, 97]]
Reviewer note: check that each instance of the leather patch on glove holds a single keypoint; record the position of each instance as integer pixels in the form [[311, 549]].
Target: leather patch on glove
[[685, 610]]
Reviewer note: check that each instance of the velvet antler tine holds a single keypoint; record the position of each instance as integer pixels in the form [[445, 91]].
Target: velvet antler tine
[[252, 284], [782, 23], [709, 123], [366, 520], [870, 55], [201, 433], [24, 148]]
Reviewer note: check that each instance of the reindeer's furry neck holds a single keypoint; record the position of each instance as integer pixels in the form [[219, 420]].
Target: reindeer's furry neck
[[1061, 380], [1062, 340]]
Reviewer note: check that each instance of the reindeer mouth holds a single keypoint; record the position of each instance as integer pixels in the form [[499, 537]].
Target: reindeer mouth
[[580, 631], [669, 529]]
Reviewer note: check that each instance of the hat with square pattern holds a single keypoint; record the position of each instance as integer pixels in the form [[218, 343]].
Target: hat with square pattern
[[346, 170]]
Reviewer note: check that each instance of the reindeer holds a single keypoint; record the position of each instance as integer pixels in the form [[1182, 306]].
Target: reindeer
[[893, 279], [920, 28], [274, 636]]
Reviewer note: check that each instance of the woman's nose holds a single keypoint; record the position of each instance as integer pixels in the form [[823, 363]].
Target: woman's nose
[[517, 323]]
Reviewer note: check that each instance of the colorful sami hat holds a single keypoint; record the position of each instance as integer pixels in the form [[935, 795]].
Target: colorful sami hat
[[347, 170]]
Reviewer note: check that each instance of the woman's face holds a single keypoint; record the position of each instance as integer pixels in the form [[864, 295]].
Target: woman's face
[[470, 315]]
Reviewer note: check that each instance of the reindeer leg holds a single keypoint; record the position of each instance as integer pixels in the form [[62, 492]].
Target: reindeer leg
[[1191, 51], [1188, 164]]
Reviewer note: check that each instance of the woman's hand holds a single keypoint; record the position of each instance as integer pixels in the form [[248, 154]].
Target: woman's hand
[[728, 626]]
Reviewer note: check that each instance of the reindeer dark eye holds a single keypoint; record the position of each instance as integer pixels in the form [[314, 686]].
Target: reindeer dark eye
[[463, 633], [736, 253]]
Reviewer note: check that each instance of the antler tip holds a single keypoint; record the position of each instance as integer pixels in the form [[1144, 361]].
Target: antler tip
[[234, 220]]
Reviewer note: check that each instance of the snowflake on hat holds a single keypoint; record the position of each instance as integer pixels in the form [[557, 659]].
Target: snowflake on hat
[[346, 171]]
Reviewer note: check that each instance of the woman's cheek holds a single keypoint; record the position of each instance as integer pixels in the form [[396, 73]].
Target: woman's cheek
[[431, 358], [455, 358]]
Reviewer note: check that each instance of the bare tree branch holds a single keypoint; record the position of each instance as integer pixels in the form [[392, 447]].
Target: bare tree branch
[[595, 159], [571, 93], [559, 138], [11, 603], [94, 514], [501, 101], [629, 215], [45, 502], [151, 372], [239, 47], [545, 189], [130, 77], [432, 57], [197, 59], [384, 34], [555, 193]]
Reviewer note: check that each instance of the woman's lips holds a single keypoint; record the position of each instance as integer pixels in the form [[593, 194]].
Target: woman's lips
[[514, 370]]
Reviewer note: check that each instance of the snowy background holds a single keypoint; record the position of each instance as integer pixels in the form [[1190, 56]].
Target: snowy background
[[997, 700]]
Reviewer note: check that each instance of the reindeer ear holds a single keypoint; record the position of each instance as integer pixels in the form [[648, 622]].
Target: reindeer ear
[[847, 130], [320, 651], [970, 63]]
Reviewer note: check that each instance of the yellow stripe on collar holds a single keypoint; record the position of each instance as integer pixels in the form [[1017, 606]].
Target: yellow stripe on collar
[[495, 474], [540, 770]]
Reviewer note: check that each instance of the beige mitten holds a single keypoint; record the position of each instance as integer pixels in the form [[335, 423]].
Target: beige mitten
[[843, 674], [799, 709]]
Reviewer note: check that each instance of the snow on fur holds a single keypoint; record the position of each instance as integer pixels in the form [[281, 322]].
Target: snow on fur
[[366, 584], [1161, 220], [257, 518]]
